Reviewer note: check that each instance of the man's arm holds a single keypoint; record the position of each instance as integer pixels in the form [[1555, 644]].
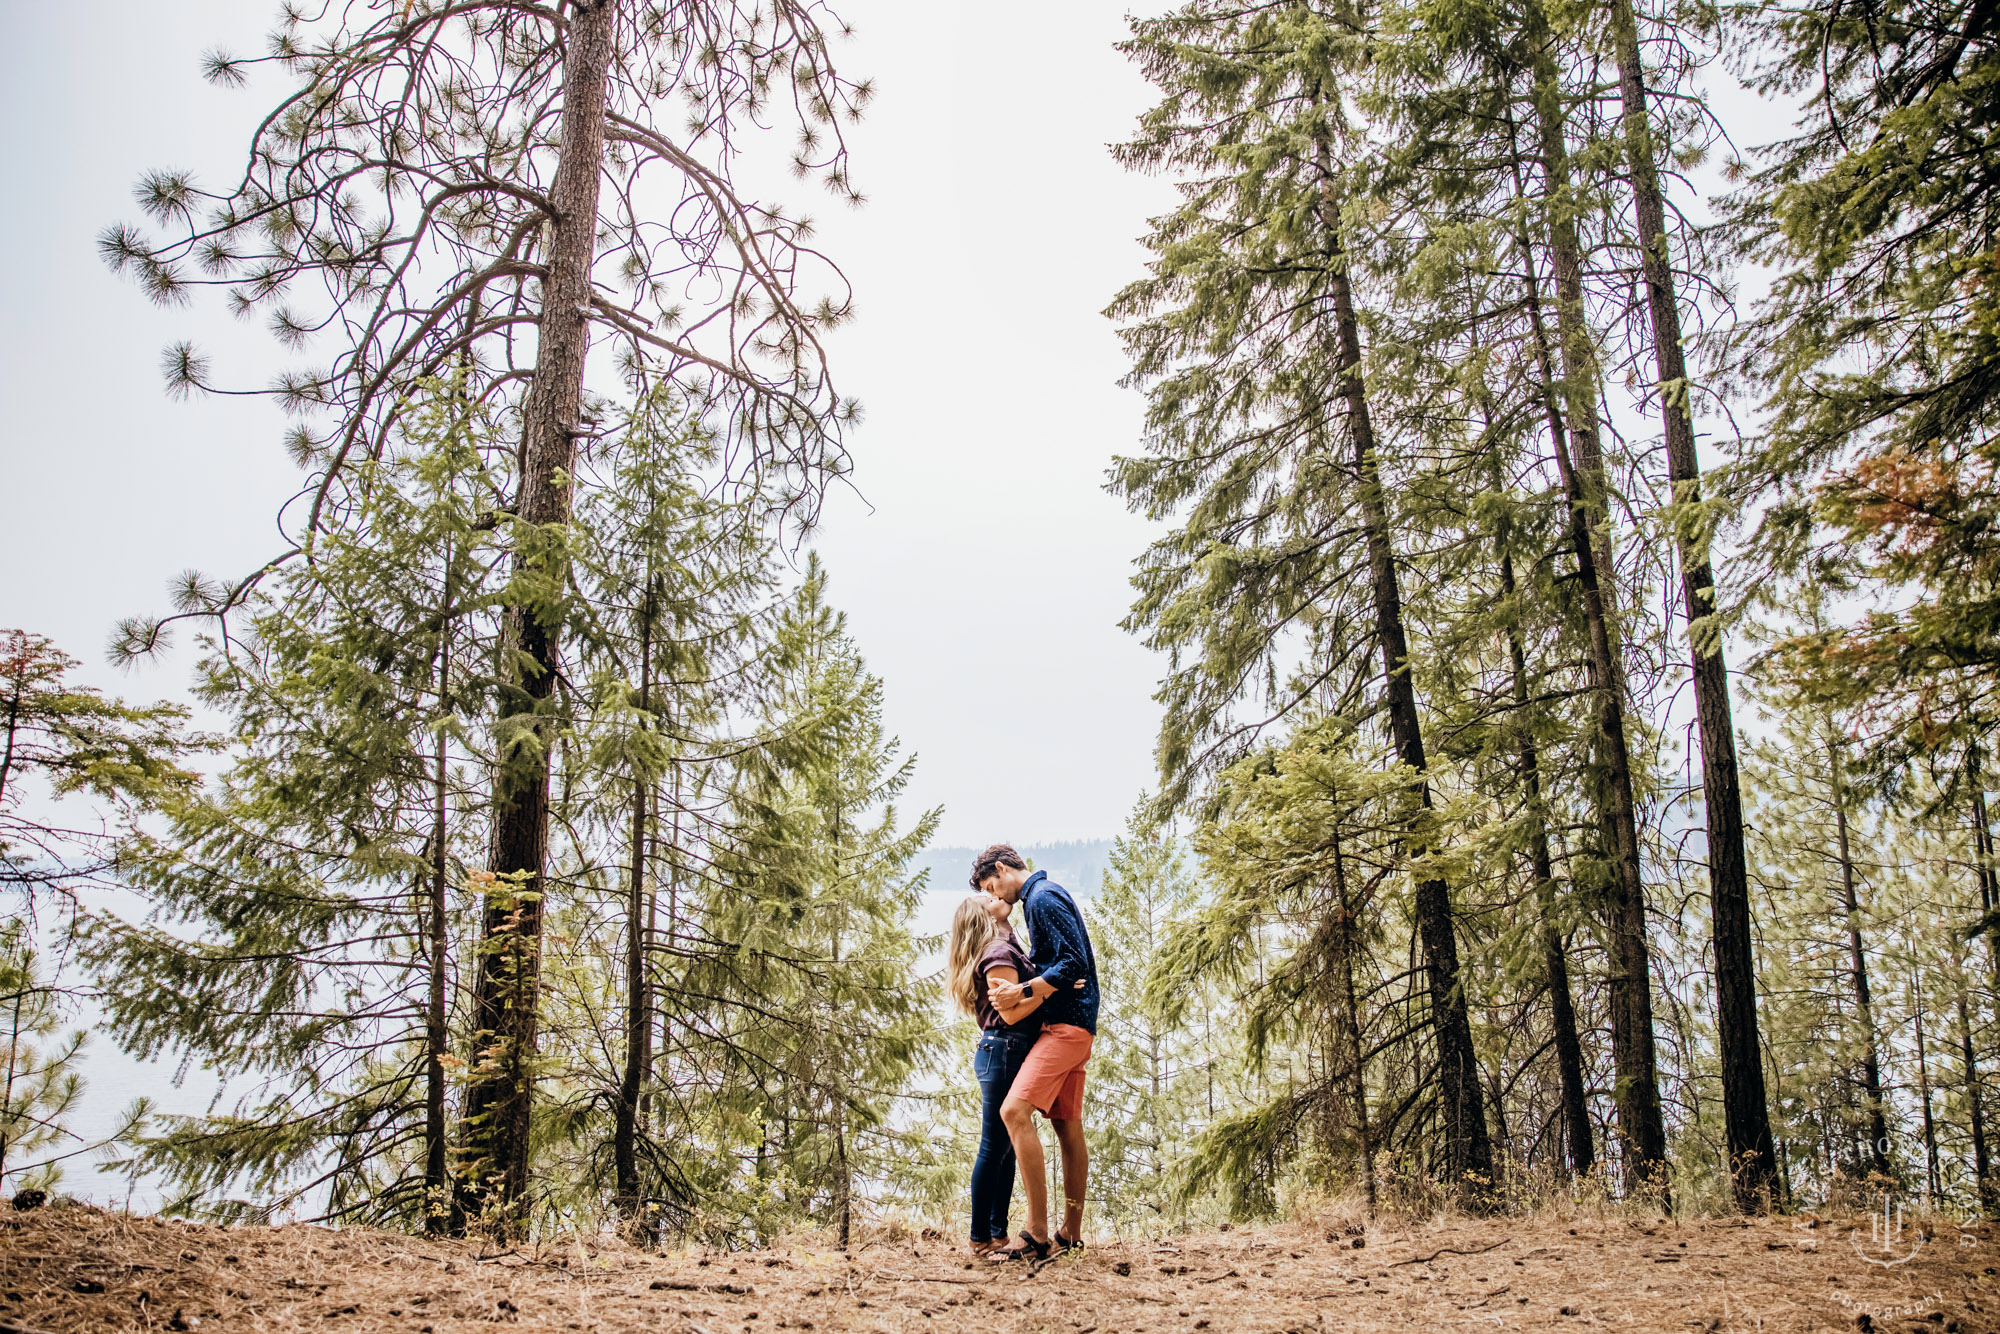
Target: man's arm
[[1005, 992], [1052, 914], [1002, 981]]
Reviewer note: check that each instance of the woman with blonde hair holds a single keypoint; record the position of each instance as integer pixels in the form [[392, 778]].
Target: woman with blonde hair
[[983, 949]]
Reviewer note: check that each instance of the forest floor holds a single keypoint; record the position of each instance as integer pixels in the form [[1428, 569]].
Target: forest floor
[[77, 1268]]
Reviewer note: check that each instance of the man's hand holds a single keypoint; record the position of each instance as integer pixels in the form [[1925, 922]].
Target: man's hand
[[1004, 994]]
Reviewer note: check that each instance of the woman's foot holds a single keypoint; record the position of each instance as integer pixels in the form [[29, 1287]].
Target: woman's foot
[[980, 1248]]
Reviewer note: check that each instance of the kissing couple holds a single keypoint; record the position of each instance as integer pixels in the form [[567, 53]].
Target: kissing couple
[[1037, 1013]]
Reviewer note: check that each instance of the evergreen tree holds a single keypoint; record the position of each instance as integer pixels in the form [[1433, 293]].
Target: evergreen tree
[[1934, 879], [1876, 345], [305, 934], [1309, 906], [1264, 444], [1816, 862], [817, 1019], [65, 743], [1493, 115], [1751, 1155], [78, 771], [675, 572], [1579, 461], [40, 1085], [440, 179], [1151, 1079]]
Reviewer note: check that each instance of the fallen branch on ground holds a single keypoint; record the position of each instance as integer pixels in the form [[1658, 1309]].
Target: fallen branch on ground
[[1450, 1250]]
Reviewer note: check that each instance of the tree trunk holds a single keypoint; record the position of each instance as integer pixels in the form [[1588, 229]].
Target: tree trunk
[[669, 867], [846, 1173], [1555, 960], [844, 1204], [13, 731], [13, 1061], [1932, 1181], [500, 1100], [1468, 1151], [1871, 1058], [1982, 1166], [1356, 1056], [1745, 1112], [638, 1011], [1641, 1120], [438, 1204], [1982, 848], [1496, 1086], [1156, 1131]]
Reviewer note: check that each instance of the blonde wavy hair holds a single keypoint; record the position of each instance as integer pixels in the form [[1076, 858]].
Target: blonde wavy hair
[[971, 932]]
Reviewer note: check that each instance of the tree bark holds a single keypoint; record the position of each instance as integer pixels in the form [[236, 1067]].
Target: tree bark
[[1555, 959], [1982, 1165], [1932, 1183], [1641, 1120], [500, 1101], [1468, 1151], [1982, 850], [438, 1205], [1357, 1061], [1745, 1111], [14, 1055], [638, 1010], [846, 1202], [1857, 955]]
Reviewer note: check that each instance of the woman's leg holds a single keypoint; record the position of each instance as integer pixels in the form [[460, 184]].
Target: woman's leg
[[1015, 1052], [988, 1180]]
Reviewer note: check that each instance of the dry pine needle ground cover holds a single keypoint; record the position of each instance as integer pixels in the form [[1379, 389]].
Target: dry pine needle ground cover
[[77, 1268]]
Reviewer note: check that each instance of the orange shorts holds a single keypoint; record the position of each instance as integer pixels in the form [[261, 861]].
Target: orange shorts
[[1052, 1076]]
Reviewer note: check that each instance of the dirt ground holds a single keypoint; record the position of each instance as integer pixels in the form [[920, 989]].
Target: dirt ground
[[77, 1268]]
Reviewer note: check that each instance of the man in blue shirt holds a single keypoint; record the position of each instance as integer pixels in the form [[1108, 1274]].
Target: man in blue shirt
[[1051, 1078]]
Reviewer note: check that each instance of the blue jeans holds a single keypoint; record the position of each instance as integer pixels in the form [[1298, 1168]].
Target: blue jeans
[[995, 1063]]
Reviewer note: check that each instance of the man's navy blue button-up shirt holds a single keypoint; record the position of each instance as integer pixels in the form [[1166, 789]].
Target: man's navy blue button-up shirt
[[1061, 952]]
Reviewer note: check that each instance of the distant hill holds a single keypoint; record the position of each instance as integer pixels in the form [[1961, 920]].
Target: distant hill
[[1076, 865]]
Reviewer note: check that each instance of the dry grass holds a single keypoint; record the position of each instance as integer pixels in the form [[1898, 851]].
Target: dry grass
[[75, 1269]]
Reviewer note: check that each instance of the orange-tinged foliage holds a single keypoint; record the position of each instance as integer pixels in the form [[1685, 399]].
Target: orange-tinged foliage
[[1904, 495]]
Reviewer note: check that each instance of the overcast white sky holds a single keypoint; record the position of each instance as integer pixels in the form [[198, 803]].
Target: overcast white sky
[[997, 228]]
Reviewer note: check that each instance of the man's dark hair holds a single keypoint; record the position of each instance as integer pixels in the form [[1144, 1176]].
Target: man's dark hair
[[987, 863]]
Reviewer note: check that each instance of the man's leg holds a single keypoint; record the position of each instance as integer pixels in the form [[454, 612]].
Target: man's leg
[[1018, 1114], [1075, 1173], [1003, 1180]]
